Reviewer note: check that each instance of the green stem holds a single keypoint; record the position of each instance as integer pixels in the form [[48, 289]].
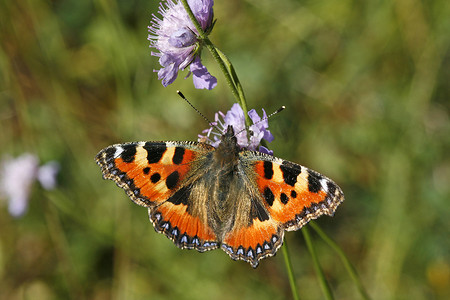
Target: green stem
[[224, 64], [287, 262], [350, 269], [323, 282], [223, 68], [242, 101]]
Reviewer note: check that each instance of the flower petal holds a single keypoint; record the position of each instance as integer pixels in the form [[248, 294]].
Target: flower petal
[[183, 37], [46, 175], [168, 74], [203, 11], [235, 117], [16, 178], [254, 116], [176, 38], [18, 204], [263, 149], [201, 77]]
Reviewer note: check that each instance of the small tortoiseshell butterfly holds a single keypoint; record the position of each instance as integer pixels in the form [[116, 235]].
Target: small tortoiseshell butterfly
[[203, 198]]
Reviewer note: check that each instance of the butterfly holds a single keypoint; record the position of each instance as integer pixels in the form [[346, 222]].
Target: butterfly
[[203, 198]]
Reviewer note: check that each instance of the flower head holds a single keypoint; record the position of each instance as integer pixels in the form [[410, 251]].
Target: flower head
[[235, 117], [17, 176], [178, 43]]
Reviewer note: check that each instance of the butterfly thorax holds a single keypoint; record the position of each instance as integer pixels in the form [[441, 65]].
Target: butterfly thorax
[[226, 154]]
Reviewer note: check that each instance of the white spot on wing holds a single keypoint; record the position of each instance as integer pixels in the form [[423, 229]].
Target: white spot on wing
[[172, 144], [119, 151], [323, 183]]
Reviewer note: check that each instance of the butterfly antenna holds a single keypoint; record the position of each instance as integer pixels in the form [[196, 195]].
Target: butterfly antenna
[[262, 120], [202, 115], [274, 113]]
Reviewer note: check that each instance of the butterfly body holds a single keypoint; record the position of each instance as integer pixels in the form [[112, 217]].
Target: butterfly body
[[202, 197]]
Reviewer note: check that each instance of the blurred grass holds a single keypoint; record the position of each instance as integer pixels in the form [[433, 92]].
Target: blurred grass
[[366, 85]]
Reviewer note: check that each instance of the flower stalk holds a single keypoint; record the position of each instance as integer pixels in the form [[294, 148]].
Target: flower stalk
[[347, 264], [236, 83], [287, 262], [224, 64], [323, 281]]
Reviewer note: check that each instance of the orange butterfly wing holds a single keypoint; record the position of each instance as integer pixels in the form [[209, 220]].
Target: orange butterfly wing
[[294, 194], [158, 175], [285, 196]]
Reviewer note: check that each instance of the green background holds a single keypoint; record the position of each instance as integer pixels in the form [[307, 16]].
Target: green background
[[366, 86]]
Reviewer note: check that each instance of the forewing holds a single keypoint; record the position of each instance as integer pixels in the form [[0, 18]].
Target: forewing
[[293, 194]]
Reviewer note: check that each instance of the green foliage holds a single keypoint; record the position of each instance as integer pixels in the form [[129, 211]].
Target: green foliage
[[366, 88]]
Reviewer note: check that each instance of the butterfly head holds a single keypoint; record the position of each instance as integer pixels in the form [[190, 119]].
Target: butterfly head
[[228, 148], [229, 139]]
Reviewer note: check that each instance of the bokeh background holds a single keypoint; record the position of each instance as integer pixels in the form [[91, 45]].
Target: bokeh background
[[366, 85]]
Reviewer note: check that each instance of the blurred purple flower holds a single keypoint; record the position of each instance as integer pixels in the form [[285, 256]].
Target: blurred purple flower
[[47, 173], [235, 117], [17, 176], [177, 40]]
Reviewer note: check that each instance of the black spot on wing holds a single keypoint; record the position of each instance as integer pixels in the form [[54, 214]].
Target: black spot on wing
[[128, 153], [284, 198], [314, 185], [178, 155], [155, 151], [155, 177], [290, 172], [293, 194], [268, 195], [268, 169], [181, 196], [146, 170], [172, 180]]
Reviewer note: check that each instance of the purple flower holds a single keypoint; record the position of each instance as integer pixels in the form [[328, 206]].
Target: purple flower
[[178, 42], [47, 173], [235, 117], [17, 177]]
